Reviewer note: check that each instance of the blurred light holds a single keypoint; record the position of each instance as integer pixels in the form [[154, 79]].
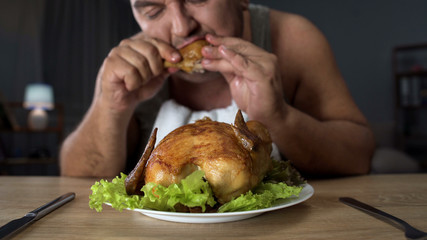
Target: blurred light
[[38, 98], [39, 95]]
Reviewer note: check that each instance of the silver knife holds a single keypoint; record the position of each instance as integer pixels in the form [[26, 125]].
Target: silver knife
[[17, 225], [410, 231]]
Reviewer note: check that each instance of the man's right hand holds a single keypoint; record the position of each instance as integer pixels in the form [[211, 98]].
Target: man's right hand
[[133, 72]]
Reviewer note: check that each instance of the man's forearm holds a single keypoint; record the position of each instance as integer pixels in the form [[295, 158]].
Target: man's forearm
[[335, 147], [96, 148]]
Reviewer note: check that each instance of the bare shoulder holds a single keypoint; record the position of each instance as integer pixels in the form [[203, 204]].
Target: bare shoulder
[[289, 22], [299, 46], [309, 70], [295, 37]]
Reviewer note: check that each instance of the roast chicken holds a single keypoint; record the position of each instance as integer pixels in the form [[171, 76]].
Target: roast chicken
[[191, 58], [234, 158]]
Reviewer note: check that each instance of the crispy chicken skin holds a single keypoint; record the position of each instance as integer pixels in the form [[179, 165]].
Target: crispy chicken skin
[[191, 58], [235, 158]]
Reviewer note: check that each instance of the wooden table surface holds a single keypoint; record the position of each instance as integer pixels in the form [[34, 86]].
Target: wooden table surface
[[320, 217]]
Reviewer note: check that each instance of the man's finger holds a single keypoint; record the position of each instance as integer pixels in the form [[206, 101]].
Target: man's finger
[[166, 51], [238, 61]]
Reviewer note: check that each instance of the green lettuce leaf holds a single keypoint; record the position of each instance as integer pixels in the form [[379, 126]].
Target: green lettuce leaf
[[191, 192], [113, 192], [283, 171], [262, 196]]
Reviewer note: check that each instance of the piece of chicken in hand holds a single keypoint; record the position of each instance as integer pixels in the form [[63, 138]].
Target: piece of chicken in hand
[[191, 58], [235, 158]]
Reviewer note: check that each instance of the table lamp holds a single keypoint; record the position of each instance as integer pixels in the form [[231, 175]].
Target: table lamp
[[38, 99]]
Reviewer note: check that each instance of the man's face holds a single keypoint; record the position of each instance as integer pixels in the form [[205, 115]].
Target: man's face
[[180, 22]]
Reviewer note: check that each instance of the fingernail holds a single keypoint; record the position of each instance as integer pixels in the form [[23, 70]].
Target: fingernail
[[175, 56], [210, 37], [207, 49], [223, 49]]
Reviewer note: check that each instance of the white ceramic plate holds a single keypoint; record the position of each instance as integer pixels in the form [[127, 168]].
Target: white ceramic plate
[[305, 194]]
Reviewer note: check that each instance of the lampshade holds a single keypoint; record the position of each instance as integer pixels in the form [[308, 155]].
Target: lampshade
[[38, 95], [38, 98]]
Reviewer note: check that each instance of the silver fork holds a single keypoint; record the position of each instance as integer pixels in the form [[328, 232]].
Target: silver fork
[[410, 232]]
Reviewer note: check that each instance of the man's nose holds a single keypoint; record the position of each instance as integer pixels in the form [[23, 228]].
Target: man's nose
[[183, 22]]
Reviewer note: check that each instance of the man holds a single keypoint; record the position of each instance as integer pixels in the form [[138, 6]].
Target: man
[[296, 91]]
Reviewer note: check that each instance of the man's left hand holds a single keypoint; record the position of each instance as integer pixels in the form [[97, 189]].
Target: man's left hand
[[252, 74]]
